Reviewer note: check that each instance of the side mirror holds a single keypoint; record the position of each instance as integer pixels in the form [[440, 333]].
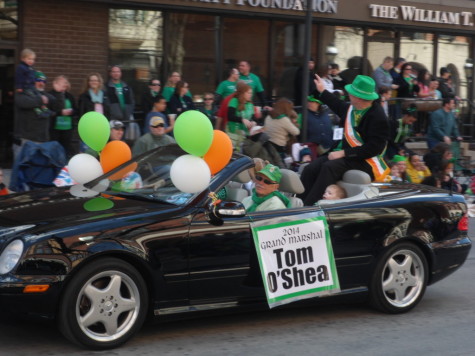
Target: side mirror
[[227, 208]]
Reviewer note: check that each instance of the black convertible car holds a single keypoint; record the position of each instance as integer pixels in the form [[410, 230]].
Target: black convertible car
[[103, 257]]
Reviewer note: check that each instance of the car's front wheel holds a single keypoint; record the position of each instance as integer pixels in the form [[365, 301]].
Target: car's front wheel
[[399, 280], [104, 304]]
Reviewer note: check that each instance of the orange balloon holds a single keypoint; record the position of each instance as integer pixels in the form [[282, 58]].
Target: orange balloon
[[113, 155], [220, 152]]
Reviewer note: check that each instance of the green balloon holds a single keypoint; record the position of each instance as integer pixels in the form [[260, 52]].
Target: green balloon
[[94, 130], [98, 204], [193, 132]]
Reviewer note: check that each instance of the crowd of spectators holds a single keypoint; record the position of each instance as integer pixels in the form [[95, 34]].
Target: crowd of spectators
[[238, 106]]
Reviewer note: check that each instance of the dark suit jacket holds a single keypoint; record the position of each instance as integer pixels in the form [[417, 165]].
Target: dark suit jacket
[[373, 128]]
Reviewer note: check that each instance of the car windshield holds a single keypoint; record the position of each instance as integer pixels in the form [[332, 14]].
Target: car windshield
[[146, 176]]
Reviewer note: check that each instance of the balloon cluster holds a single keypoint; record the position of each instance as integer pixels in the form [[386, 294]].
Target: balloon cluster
[[208, 150], [94, 130]]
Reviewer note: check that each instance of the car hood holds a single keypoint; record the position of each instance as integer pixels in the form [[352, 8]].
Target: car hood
[[40, 210]]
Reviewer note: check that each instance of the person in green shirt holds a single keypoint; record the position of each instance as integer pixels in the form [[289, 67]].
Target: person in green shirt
[[228, 86], [169, 88], [121, 96], [252, 80], [240, 116], [65, 115]]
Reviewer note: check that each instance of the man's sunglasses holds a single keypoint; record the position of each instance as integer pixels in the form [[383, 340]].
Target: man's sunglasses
[[159, 125], [265, 180]]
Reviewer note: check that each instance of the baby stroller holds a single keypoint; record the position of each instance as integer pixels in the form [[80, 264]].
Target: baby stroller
[[37, 165]]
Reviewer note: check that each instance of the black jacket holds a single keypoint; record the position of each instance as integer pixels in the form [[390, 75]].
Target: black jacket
[[59, 105], [373, 128], [116, 112], [28, 123], [404, 90], [175, 105], [85, 104]]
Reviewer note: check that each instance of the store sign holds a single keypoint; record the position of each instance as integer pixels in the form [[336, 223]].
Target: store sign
[[414, 14], [296, 258], [323, 6]]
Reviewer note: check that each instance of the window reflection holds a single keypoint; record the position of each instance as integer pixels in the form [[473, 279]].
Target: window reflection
[[8, 20], [136, 44], [418, 47], [237, 46], [452, 53], [349, 42], [191, 50], [288, 42], [380, 45]]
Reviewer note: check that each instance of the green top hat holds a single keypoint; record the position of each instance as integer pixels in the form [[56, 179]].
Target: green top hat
[[272, 172], [363, 88]]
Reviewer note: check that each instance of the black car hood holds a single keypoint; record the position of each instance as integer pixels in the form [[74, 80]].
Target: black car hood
[[56, 206]]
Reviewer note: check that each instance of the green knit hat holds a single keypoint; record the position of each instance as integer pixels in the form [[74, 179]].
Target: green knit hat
[[363, 87], [398, 158], [40, 76], [315, 100], [272, 172]]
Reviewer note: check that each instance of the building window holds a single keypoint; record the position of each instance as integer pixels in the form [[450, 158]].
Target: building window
[[380, 45], [418, 48], [288, 44], [452, 53], [8, 20], [190, 50], [348, 42], [136, 44], [239, 46]]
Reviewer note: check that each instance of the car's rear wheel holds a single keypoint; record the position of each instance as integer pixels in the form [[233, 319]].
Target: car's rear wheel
[[400, 279], [104, 304]]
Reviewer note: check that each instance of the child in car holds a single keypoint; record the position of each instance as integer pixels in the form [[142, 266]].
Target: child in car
[[334, 192]]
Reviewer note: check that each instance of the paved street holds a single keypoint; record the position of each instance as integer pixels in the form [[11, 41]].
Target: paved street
[[442, 324]]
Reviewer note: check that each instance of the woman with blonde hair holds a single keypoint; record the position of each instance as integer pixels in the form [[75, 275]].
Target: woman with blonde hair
[[280, 124], [240, 115], [94, 97], [65, 114]]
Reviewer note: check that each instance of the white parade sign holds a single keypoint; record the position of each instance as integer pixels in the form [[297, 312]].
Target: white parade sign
[[296, 258]]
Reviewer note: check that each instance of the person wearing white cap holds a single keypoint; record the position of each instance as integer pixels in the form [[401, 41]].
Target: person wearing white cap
[[155, 138], [117, 130]]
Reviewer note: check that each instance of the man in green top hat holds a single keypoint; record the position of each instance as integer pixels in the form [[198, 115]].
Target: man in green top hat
[[265, 196], [365, 135]]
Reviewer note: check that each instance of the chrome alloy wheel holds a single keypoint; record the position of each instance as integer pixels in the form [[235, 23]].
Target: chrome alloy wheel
[[403, 278], [107, 306]]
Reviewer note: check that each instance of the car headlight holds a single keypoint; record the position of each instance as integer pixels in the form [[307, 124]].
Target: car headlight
[[10, 256]]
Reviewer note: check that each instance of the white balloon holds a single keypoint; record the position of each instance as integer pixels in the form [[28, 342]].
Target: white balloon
[[190, 174], [83, 168], [81, 191], [101, 186]]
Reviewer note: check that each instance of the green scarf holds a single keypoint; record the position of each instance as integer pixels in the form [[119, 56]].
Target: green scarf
[[259, 200]]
